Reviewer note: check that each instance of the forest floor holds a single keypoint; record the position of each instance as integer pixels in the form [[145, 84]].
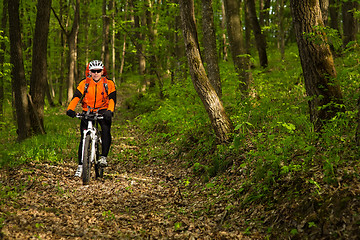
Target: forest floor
[[136, 199], [133, 201], [163, 199]]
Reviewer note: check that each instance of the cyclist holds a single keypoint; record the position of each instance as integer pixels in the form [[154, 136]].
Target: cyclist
[[99, 93]]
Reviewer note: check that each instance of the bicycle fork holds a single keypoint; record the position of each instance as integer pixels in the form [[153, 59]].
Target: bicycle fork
[[92, 131]]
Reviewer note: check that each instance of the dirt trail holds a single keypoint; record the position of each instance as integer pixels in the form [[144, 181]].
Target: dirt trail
[[55, 205], [133, 201]]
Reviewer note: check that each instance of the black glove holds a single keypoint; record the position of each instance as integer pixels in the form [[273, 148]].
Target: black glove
[[108, 115], [71, 113]]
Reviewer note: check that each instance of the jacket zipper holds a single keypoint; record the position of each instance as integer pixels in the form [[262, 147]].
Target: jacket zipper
[[95, 96]]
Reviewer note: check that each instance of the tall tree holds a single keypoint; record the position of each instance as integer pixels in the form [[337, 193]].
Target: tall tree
[[151, 35], [223, 35], [105, 53], [212, 103], [238, 52], [260, 40], [264, 12], [139, 37], [324, 6], [72, 39], [2, 55], [210, 52], [316, 61], [19, 85], [334, 14], [349, 21], [281, 30], [38, 79]]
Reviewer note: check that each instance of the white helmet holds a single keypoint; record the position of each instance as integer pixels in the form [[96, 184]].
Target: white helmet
[[96, 64]]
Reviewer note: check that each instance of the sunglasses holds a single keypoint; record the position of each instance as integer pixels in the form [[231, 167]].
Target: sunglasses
[[96, 71]]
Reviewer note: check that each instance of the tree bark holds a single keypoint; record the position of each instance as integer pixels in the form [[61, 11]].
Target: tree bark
[[235, 34], [210, 52], [260, 40], [151, 52], [281, 30], [72, 41], [105, 53], [334, 14], [2, 56], [38, 79], [324, 6], [317, 63], [349, 22], [264, 13], [212, 103], [223, 35], [19, 86], [112, 6]]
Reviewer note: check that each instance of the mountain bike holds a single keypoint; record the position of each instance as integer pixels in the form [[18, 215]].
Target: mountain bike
[[91, 145]]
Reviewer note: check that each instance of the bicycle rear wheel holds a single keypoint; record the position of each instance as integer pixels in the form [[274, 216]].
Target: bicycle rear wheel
[[86, 160]]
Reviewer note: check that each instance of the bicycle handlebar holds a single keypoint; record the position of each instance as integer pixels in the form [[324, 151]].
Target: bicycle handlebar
[[89, 116]]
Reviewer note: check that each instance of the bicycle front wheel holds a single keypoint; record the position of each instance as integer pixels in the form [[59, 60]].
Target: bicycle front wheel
[[87, 160], [99, 171]]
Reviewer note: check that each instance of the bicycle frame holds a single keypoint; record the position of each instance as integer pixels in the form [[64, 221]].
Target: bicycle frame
[[90, 145]]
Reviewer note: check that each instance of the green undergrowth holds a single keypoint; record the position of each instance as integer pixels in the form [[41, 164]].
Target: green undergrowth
[[58, 144], [274, 153]]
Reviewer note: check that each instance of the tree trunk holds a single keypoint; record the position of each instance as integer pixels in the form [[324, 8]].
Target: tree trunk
[[38, 79], [260, 40], [264, 13], [324, 6], [2, 56], [122, 62], [105, 53], [317, 63], [334, 14], [223, 35], [212, 103], [210, 52], [18, 73], [235, 34], [72, 40], [281, 30], [113, 46], [151, 36], [349, 22]]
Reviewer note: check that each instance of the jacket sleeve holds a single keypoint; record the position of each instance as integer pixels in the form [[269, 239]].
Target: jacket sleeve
[[77, 96], [112, 96]]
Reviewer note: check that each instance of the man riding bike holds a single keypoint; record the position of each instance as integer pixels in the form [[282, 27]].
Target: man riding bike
[[98, 93]]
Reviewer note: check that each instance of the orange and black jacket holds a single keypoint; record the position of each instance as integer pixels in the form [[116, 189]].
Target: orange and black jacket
[[96, 95]]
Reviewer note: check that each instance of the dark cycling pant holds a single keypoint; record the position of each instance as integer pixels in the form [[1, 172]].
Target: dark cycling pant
[[105, 136]]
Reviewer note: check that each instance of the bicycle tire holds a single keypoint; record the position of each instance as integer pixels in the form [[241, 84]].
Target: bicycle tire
[[87, 161]]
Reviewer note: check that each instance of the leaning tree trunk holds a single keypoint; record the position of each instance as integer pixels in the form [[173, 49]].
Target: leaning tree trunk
[[18, 73], [317, 62], [212, 103], [38, 79]]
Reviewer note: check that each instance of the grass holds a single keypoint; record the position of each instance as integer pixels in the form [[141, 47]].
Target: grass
[[57, 145]]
